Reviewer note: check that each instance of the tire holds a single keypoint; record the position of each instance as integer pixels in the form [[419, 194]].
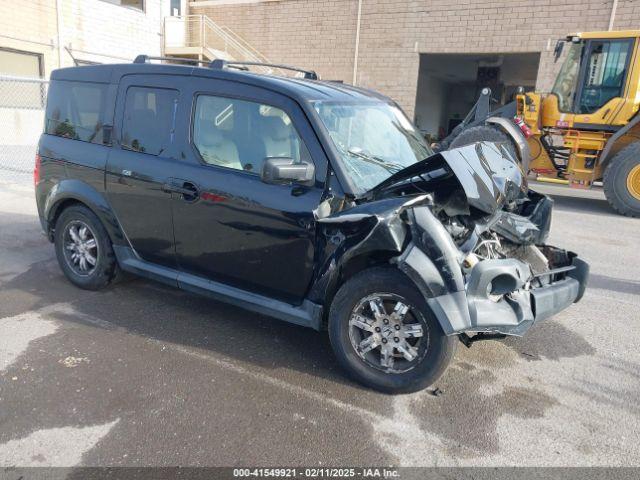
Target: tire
[[434, 350], [484, 133], [97, 276], [623, 170]]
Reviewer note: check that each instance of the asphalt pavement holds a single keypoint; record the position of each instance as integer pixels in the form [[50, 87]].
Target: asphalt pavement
[[142, 374]]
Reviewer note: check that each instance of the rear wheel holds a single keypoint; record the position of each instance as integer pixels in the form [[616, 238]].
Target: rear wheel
[[385, 335], [484, 133], [84, 249], [622, 181]]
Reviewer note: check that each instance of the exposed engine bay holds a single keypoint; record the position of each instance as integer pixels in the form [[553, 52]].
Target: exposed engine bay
[[464, 226]]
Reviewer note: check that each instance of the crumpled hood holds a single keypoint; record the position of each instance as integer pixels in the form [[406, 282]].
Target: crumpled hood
[[489, 175]]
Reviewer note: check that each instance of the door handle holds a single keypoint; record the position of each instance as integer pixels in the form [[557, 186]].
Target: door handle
[[188, 190]]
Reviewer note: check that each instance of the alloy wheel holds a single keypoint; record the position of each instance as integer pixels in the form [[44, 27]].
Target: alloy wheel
[[388, 333], [80, 248]]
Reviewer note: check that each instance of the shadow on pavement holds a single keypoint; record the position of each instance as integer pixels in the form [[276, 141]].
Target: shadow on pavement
[[569, 203]]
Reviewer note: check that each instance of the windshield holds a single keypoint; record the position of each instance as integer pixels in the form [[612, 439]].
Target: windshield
[[567, 81], [375, 140]]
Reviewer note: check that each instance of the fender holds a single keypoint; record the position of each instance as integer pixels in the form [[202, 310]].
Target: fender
[[373, 232], [631, 131], [402, 232], [71, 189], [511, 129], [432, 262]]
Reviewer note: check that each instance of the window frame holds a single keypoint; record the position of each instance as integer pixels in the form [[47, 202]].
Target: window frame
[[103, 111], [129, 7], [39, 56], [586, 54], [172, 132], [192, 124]]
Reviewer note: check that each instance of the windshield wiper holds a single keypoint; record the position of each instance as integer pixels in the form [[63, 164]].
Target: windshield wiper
[[390, 167]]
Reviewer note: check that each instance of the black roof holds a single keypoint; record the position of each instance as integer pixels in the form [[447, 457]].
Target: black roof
[[297, 88]]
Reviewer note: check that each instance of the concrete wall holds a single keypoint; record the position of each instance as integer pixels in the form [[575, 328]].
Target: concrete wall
[[430, 109], [321, 33], [94, 30]]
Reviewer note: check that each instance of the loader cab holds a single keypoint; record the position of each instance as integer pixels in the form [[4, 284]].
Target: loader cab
[[597, 82]]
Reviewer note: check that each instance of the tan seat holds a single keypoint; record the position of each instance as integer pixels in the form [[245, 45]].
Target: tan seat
[[217, 150], [278, 138]]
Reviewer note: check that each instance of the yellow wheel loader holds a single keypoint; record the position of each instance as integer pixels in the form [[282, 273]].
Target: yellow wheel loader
[[586, 129]]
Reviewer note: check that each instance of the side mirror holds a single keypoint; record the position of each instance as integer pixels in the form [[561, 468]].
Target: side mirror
[[558, 50], [284, 170]]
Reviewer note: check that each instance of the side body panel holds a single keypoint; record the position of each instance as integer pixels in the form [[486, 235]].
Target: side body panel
[[135, 180], [239, 230], [74, 170]]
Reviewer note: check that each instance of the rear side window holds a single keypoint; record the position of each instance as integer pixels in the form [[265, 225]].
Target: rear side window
[[149, 119], [76, 110]]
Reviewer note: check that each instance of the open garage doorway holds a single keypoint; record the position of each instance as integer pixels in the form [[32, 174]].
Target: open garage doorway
[[449, 85]]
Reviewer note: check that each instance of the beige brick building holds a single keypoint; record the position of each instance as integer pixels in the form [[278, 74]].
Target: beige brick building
[[37, 36], [426, 54]]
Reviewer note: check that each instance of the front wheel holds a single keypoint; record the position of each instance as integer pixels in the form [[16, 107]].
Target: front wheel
[[622, 181], [385, 335]]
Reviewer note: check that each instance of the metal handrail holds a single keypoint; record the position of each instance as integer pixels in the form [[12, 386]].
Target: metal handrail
[[202, 32]]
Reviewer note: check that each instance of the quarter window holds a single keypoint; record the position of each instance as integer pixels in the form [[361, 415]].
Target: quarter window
[[76, 110], [240, 134], [149, 119]]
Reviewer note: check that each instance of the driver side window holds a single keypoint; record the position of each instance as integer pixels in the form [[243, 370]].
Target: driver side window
[[240, 134]]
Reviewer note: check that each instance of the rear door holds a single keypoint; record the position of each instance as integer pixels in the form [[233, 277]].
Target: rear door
[[142, 162], [239, 230]]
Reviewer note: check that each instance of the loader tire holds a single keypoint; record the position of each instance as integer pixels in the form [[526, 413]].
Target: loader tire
[[484, 133], [622, 181]]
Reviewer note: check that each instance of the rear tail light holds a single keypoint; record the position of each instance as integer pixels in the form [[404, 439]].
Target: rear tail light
[[36, 170]]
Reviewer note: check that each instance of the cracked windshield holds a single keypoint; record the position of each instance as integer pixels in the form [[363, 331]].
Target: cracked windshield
[[374, 139]]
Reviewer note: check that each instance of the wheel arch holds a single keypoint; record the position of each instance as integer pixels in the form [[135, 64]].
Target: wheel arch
[[625, 136], [348, 269], [512, 130], [71, 192]]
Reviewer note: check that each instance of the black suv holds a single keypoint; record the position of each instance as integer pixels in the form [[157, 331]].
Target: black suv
[[314, 202]]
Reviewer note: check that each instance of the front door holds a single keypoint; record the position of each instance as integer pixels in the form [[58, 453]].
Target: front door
[[603, 73], [141, 164], [236, 229]]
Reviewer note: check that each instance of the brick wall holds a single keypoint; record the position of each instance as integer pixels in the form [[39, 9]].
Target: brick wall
[[320, 34]]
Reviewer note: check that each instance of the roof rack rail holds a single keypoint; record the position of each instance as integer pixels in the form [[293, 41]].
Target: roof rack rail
[[146, 58], [222, 64]]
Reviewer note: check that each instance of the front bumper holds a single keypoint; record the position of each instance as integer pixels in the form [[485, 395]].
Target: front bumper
[[528, 299], [525, 298]]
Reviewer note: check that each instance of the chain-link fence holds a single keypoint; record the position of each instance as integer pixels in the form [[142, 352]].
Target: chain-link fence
[[22, 103]]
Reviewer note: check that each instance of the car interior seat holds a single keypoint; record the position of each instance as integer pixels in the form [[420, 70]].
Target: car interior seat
[[216, 149], [278, 138]]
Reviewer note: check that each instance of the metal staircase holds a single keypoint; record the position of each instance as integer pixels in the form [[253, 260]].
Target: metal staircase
[[199, 37]]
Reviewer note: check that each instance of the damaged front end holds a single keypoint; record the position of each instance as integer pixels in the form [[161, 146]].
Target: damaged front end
[[464, 227]]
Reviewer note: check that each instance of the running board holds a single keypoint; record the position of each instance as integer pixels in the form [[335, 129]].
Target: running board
[[308, 314]]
